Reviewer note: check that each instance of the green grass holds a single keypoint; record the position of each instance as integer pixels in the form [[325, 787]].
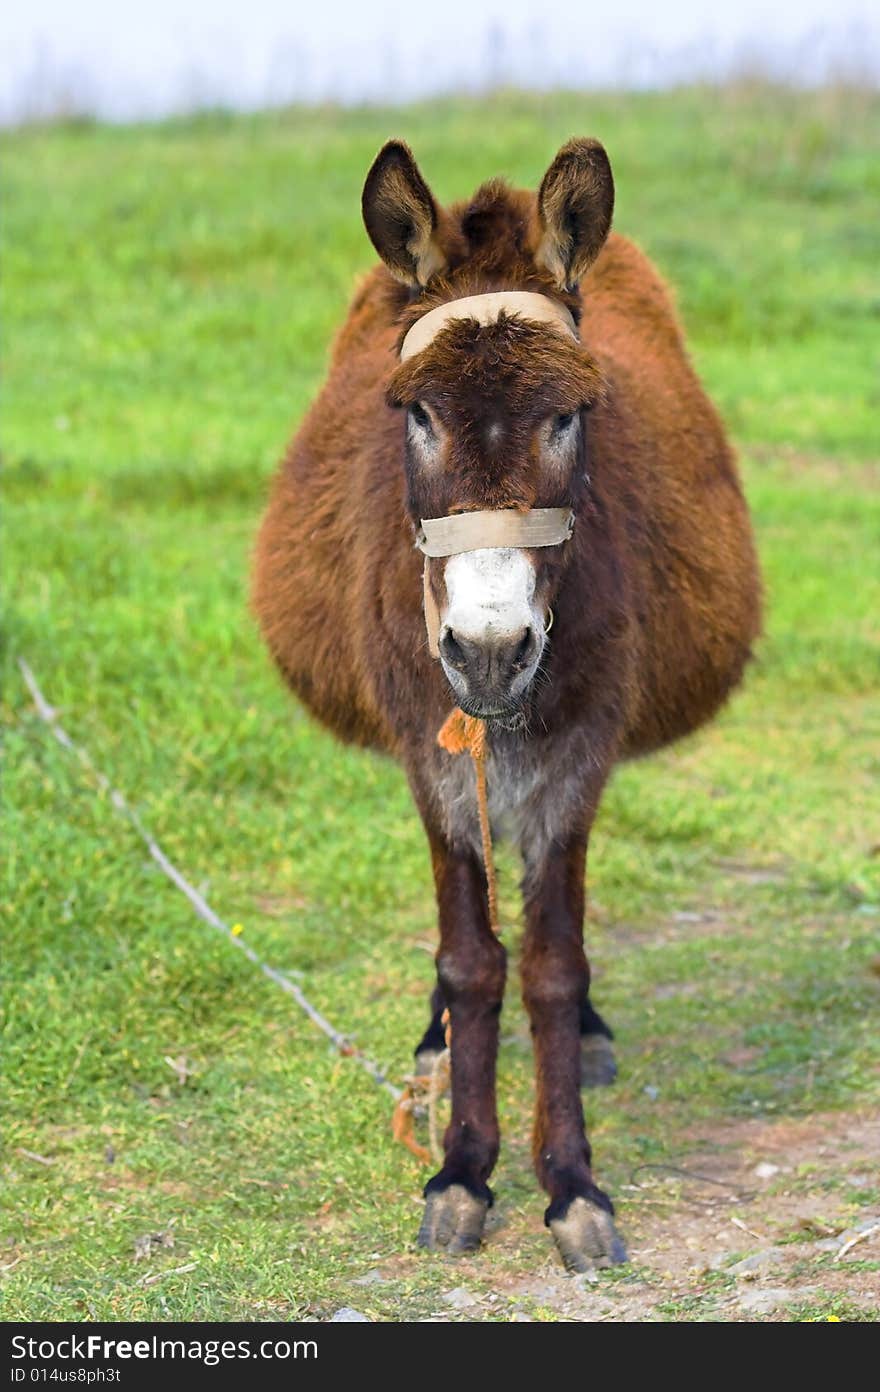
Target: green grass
[[169, 293]]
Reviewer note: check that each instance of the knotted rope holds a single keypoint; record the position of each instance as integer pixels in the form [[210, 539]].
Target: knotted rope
[[459, 734]]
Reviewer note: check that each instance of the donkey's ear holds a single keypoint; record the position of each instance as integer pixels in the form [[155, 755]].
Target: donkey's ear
[[401, 216], [575, 204]]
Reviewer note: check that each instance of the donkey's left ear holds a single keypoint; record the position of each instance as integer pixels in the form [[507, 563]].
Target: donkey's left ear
[[575, 204], [401, 216]]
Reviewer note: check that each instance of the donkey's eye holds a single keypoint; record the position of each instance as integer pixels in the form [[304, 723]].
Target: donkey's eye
[[419, 416], [563, 423]]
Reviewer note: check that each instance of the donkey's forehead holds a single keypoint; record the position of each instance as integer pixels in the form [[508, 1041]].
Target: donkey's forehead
[[524, 362]]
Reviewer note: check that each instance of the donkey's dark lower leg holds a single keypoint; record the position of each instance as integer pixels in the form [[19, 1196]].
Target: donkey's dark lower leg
[[598, 1066], [471, 972], [556, 980]]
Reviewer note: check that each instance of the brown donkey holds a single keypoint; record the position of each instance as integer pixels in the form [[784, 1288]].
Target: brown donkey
[[511, 417]]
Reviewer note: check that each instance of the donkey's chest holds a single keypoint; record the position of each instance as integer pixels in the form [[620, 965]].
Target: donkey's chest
[[534, 791]]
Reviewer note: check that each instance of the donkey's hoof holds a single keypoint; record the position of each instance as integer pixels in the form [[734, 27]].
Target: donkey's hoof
[[453, 1221], [598, 1066], [586, 1237]]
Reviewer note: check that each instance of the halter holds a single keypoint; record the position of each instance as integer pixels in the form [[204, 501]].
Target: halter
[[501, 528]]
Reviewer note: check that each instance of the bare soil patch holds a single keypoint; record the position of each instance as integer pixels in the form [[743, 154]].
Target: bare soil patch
[[765, 1220]]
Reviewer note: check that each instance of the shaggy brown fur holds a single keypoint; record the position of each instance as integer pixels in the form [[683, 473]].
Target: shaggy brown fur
[[655, 598]]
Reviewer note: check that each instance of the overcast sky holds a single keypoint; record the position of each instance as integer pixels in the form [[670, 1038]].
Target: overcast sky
[[128, 61]]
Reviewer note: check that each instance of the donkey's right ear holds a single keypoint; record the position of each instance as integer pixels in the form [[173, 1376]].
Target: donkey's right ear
[[401, 216], [575, 204]]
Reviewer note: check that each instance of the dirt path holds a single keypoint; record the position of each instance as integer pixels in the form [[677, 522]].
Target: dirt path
[[789, 1230], [794, 1230]]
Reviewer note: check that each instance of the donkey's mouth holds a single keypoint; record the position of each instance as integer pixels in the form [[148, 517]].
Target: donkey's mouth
[[511, 724], [510, 717]]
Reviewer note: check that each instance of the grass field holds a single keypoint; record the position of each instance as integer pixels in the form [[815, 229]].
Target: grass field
[[168, 297]]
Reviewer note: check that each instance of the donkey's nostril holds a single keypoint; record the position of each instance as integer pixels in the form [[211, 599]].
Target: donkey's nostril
[[452, 651], [524, 650]]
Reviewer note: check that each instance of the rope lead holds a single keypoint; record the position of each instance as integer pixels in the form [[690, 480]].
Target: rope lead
[[462, 734]]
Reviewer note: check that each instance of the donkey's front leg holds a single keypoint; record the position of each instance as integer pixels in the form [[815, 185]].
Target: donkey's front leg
[[556, 978], [471, 971]]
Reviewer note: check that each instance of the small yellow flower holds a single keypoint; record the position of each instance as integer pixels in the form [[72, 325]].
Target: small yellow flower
[[237, 930], [833, 1319]]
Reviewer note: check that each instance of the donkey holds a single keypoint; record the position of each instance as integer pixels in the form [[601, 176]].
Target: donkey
[[513, 449]]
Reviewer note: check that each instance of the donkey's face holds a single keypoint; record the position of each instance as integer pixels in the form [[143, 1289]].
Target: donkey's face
[[495, 412], [495, 420]]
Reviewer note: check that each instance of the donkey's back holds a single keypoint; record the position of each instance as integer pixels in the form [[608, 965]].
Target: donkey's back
[[687, 538]]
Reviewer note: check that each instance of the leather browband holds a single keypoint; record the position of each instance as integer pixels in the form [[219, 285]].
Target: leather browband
[[492, 531], [486, 309]]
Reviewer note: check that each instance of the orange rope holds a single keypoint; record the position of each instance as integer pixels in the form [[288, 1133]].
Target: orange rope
[[403, 1122], [466, 734]]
